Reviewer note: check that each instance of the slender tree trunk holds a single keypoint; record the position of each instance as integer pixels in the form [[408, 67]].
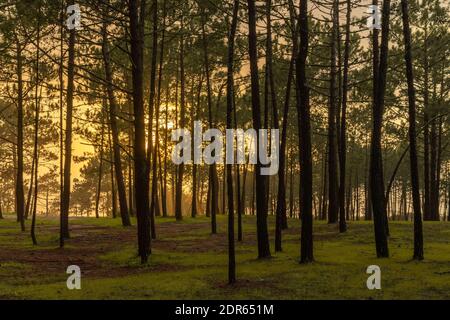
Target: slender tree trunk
[[252, 209], [179, 185], [213, 181], [61, 123], [291, 188], [30, 189], [100, 167], [239, 199], [433, 169], [324, 205], [426, 131], [304, 125], [348, 201], [376, 158], [229, 167], [418, 233], [131, 204], [153, 67], [343, 131], [224, 192], [124, 213], [333, 205], [113, 185], [270, 75], [448, 206], [20, 200], [164, 195], [154, 205], [261, 196], [14, 155], [140, 162], [68, 138], [152, 149], [437, 195], [36, 132], [194, 117], [281, 197]]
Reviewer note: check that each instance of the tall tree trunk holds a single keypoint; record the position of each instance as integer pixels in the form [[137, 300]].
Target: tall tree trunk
[[194, 116], [376, 159], [261, 196], [426, 131], [100, 166], [124, 214], [61, 123], [64, 232], [276, 126], [153, 66], [113, 184], [152, 149], [433, 168], [281, 222], [179, 185], [304, 125], [131, 204], [438, 171], [20, 199], [240, 196], [367, 201], [36, 130], [324, 213], [343, 131], [164, 194], [229, 167], [213, 181], [333, 205], [140, 162], [418, 233]]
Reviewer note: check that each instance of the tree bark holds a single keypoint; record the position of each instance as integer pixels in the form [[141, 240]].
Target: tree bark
[[1, 210], [152, 149], [124, 213], [261, 196], [418, 232], [100, 167], [179, 185], [376, 158], [229, 167], [213, 181], [343, 131], [333, 205], [281, 222], [113, 185], [141, 169], [20, 199], [304, 125], [65, 205], [36, 131]]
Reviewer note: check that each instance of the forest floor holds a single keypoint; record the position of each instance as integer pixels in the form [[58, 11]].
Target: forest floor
[[190, 263]]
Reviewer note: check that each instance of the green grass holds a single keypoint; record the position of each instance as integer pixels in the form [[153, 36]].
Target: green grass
[[177, 271]]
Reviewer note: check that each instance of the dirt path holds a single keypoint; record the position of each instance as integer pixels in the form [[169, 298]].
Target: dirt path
[[89, 242]]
